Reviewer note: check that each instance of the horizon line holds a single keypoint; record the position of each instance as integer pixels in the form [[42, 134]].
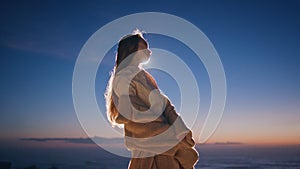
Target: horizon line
[[88, 140]]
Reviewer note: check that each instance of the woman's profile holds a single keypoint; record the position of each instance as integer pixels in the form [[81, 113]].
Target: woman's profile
[[154, 133]]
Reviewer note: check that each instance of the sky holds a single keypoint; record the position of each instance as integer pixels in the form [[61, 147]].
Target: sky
[[257, 41]]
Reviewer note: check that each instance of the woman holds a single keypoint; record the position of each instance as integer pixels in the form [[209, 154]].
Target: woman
[[154, 133]]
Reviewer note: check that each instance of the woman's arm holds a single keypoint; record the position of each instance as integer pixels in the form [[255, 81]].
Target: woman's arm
[[136, 102], [169, 112], [174, 119]]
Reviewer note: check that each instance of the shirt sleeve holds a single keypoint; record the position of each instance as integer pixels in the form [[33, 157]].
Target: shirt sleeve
[[150, 94], [174, 119]]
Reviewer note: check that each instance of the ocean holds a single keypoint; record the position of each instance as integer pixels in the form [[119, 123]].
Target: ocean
[[212, 156]]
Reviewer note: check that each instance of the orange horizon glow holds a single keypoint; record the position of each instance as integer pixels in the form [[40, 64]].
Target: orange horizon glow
[[212, 141], [260, 140]]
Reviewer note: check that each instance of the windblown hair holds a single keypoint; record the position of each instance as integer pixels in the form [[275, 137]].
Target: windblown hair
[[127, 45]]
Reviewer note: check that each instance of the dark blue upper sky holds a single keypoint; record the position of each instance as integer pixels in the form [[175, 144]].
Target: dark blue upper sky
[[258, 43]]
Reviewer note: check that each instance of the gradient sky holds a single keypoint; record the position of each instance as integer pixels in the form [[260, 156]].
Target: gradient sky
[[258, 43]]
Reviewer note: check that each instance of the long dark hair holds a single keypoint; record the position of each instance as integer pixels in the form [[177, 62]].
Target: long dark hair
[[127, 45]]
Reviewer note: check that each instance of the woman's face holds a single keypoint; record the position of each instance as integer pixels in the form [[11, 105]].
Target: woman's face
[[146, 51]]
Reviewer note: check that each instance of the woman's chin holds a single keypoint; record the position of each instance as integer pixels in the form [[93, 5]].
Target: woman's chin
[[145, 61]]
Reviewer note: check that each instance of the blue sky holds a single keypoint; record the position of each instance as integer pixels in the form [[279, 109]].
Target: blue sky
[[258, 43]]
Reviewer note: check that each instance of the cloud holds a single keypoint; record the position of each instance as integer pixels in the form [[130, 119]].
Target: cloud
[[100, 140], [39, 33], [228, 143], [44, 47]]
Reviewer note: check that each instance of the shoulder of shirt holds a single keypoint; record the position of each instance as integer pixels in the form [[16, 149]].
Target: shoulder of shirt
[[128, 74], [129, 70]]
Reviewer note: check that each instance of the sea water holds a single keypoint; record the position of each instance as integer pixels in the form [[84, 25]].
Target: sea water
[[211, 157]]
